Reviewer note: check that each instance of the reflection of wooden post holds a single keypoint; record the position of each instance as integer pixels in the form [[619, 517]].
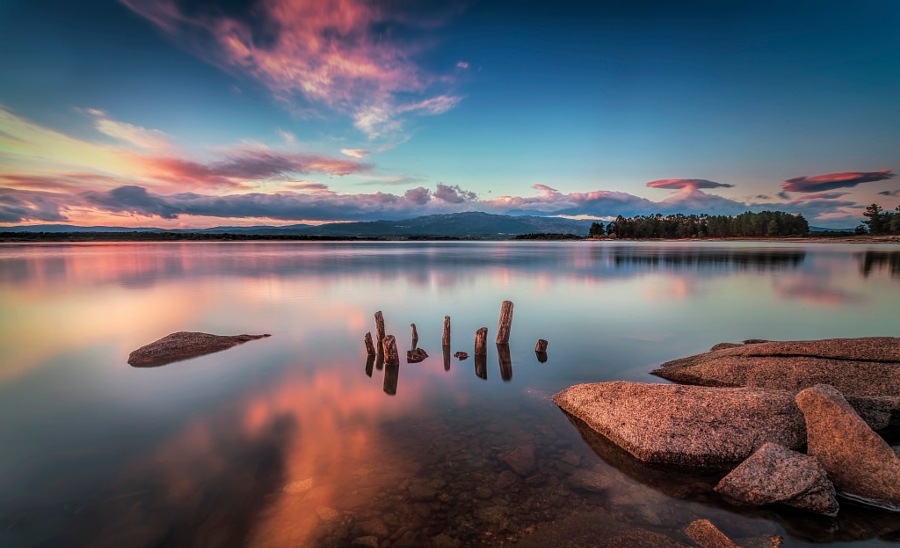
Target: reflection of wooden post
[[505, 360], [445, 336], [541, 356], [415, 335], [541, 345], [391, 377], [370, 346], [446, 349], [370, 361], [481, 342], [506, 312], [379, 325], [391, 356], [481, 366], [379, 358]]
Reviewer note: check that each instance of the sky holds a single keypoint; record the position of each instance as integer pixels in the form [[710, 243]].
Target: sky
[[193, 113]]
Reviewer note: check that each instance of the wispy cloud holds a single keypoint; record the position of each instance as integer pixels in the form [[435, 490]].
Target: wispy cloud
[[831, 181], [336, 53], [355, 152], [690, 184]]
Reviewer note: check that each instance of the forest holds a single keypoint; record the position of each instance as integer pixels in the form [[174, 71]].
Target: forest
[[765, 224]]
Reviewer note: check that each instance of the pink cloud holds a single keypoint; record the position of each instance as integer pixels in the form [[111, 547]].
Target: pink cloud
[[831, 181], [682, 184], [330, 52]]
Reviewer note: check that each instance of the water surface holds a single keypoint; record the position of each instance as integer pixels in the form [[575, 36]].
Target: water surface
[[296, 440]]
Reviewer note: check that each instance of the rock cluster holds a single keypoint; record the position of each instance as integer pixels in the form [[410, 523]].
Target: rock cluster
[[751, 407]]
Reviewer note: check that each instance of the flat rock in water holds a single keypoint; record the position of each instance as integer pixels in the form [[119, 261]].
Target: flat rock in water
[[461, 355], [691, 426], [859, 367], [858, 461], [184, 345], [775, 475]]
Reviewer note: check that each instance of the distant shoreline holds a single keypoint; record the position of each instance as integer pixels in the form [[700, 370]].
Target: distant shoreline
[[156, 237]]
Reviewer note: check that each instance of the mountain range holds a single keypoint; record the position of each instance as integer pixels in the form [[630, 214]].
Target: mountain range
[[460, 225]]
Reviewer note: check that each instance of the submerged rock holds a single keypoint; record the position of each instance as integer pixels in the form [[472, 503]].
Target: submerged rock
[[858, 461], [774, 474], [461, 355], [520, 459], [690, 426], [184, 345], [706, 535]]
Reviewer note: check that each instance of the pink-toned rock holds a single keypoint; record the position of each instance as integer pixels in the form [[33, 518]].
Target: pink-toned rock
[[706, 535], [858, 461], [690, 426], [775, 475], [184, 345]]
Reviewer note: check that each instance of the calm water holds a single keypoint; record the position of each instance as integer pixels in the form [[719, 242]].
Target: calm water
[[295, 440]]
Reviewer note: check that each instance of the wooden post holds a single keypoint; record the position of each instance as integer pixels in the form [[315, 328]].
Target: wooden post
[[370, 346], [505, 360], [391, 357], [415, 335], [445, 336], [379, 358], [506, 313], [446, 349], [541, 345], [391, 377], [481, 366], [370, 361], [379, 326], [481, 342]]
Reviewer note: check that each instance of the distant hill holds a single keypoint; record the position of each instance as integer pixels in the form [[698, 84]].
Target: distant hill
[[459, 225]]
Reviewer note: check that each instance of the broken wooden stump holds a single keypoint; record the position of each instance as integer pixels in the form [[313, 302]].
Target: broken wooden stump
[[416, 355], [391, 377], [414, 334], [481, 366], [461, 355], [379, 326], [505, 324], [370, 346], [446, 354], [541, 345], [505, 360], [370, 361], [391, 357], [481, 342], [445, 336]]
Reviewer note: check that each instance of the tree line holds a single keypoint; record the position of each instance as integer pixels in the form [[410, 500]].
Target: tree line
[[879, 222], [765, 224]]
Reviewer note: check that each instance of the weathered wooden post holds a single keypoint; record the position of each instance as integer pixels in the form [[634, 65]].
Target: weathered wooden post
[[481, 366], [391, 378], [370, 361], [541, 345], [379, 326], [415, 335], [445, 336], [506, 313], [370, 346], [391, 356], [505, 360], [481, 342]]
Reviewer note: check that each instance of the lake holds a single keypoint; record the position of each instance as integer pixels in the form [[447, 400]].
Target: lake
[[298, 440]]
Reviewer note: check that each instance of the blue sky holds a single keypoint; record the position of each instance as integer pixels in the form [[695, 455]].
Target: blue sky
[[196, 113]]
